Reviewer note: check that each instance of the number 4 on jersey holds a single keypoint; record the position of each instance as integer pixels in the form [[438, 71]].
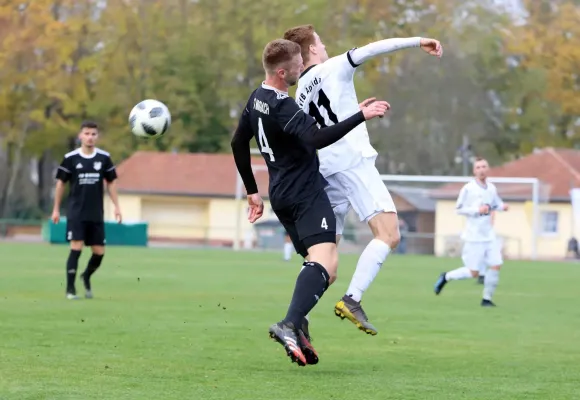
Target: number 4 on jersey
[[264, 147], [324, 225]]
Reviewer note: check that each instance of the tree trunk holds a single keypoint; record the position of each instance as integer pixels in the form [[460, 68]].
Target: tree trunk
[[44, 170], [15, 170], [4, 169]]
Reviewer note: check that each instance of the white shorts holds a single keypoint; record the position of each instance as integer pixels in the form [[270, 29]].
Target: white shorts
[[477, 253], [361, 188]]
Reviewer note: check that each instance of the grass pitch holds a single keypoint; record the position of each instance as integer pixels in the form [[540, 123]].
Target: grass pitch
[[185, 324]]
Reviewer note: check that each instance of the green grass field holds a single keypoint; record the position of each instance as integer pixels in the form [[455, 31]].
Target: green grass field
[[187, 324]]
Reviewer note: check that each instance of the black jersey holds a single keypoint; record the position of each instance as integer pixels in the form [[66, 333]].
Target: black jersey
[[288, 139], [86, 174]]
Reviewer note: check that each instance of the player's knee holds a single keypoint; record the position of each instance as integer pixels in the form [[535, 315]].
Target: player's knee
[[98, 250], [76, 245], [326, 255], [332, 270], [385, 227], [330, 264], [475, 273], [391, 237], [496, 267]]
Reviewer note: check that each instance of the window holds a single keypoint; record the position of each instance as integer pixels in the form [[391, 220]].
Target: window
[[549, 222]]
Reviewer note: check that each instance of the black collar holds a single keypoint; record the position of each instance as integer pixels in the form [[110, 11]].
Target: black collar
[[307, 69]]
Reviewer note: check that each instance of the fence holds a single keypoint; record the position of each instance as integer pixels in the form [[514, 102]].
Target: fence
[[269, 236]]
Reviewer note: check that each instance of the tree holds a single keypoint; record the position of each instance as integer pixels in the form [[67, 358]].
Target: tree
[[545, 46], [26, 54]]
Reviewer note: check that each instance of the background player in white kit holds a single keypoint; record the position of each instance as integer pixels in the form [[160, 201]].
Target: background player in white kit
[[482, 265], [476, 201], [326, 91]]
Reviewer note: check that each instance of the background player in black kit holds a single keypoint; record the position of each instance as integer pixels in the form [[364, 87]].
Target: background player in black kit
[[86, 168], [288, 139]]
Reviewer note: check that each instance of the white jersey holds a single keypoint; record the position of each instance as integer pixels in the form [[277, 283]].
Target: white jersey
[[326, 91], [478, 227]]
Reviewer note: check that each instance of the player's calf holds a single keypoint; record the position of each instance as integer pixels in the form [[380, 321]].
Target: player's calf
[[489, 286], [325, 255], [455, 275], [72, 264], [92, 266], [385, 227], [311, 284], [482, 271]]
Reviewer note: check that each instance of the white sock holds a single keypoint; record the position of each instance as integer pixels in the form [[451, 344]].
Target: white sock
[[490, 283], [367, 268], [288, 247], [458, 274], [482, 271]]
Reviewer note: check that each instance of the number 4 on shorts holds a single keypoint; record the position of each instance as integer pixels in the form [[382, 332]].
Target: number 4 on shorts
[[324, 225]]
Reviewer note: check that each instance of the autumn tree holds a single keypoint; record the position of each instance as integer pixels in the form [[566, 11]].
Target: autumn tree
[[545, 46], [28, 51]]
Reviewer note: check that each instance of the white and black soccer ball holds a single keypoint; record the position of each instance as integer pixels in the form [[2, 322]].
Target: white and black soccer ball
[[149, 118]]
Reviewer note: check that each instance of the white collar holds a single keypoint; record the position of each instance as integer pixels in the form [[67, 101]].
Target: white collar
[[268, 87]]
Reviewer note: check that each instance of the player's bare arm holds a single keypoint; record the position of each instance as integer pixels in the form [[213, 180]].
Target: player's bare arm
[[58, 193], [112, 189]]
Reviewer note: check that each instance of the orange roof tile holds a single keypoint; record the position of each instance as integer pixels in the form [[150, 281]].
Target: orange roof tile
[[190, 174], [557, 170]]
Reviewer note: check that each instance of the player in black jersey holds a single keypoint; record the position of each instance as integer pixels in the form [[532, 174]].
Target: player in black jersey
[[288, 139], [86, 169]]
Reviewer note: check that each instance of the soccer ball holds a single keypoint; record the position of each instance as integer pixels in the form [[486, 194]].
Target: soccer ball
[[149, 118]]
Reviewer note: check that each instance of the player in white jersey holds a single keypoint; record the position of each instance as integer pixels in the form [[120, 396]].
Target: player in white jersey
[[482, 265], [326, 91], [476, 201]]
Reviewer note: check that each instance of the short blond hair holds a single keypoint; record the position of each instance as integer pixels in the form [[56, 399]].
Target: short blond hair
[[303, 35], [278, 52]]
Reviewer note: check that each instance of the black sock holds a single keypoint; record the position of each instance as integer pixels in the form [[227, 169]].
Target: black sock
[[310, 285], [92, 266], [72, 263]]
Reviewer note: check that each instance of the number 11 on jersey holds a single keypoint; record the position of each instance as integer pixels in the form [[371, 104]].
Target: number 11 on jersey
[[264, 147]]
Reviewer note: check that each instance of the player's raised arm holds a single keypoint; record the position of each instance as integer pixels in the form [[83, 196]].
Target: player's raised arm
[[464, 208], [298, 123], [360, 55]]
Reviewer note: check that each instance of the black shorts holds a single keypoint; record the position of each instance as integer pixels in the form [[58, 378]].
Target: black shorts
[[92, 233], [309, 221]]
